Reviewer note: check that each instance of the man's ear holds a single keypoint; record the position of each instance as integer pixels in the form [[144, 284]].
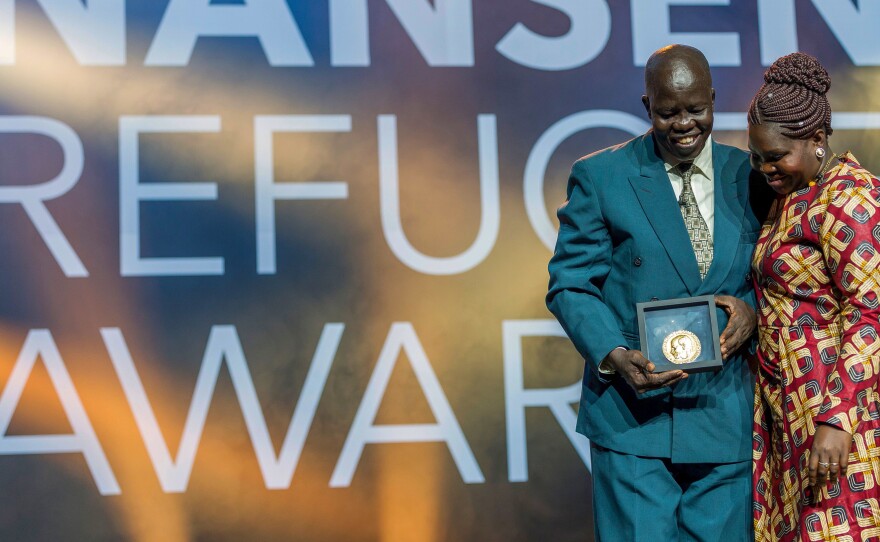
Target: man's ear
[[713, 96], [647, 103]]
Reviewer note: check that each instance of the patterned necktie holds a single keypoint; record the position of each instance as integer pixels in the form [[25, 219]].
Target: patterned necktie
[[698, 231]]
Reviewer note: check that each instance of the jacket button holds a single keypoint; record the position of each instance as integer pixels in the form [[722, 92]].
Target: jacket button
[[637, 261], [748, 277]]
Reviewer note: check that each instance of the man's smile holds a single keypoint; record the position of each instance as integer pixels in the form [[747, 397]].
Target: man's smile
[[686, 141]]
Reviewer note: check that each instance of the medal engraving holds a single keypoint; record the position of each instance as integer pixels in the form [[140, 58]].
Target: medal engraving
[[681, 347]]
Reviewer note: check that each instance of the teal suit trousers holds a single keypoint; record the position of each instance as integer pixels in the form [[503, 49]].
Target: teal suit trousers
[[661, 500]]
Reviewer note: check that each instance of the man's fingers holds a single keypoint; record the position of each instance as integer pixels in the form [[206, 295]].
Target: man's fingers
[[658, 380], [640, 375], [635, 377], [735, 341], [642, 363], [727, 303], [642, 382], [739, 327], [734, 330]]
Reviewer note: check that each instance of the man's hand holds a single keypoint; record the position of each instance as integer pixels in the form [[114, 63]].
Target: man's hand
[[638, 371], [829, 455], [740, 326]]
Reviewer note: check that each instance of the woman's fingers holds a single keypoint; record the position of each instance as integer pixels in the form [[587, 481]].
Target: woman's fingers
[[837, 466], [827, 470], [843, 459], [812, 469], [829, 455], [833, 471], [822, 473]]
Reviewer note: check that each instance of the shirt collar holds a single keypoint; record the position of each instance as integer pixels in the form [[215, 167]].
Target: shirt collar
[[702, 163]]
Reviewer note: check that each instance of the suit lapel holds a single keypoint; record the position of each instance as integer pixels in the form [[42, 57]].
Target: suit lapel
[[730, 199], [655, 195]]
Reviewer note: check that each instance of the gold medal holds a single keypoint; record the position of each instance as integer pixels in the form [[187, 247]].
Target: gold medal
[[681, 346]]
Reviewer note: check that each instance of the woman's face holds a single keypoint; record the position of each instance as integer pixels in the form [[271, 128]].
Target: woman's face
[[788, 164]]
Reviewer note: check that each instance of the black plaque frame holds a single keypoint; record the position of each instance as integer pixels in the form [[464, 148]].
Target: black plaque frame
[[696, 314]]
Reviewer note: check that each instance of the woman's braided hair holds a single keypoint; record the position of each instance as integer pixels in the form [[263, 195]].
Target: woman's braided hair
[[794, 95]]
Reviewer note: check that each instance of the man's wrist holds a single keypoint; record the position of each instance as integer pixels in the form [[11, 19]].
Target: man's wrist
[[605, 366]]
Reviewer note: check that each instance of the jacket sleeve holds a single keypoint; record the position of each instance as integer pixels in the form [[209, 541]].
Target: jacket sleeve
[[580, 264], [761, 197], [851, 249]]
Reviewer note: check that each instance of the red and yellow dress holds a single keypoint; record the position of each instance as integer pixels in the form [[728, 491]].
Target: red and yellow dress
[[818, 285]]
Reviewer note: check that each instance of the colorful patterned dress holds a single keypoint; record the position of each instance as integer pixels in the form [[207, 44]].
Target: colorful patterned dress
[[816, 273]]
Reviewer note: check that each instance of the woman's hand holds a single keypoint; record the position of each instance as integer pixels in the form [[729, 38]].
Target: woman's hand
[[740, 326], [829, 455]]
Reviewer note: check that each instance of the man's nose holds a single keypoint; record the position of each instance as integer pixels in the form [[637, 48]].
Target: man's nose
[[767, 169], [684, 123]]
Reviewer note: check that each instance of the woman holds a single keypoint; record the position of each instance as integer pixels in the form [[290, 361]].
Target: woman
[[817, 410]]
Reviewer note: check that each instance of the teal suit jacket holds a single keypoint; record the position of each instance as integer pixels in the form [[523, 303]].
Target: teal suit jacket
[[622, 241]]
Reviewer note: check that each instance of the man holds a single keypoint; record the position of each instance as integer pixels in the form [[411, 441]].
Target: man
[[666, 215]]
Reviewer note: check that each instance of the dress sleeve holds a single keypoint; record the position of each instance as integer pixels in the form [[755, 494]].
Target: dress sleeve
[[850, 242], [581, 262]]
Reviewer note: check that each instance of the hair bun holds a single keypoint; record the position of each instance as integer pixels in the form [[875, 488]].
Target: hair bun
[[799, 69]]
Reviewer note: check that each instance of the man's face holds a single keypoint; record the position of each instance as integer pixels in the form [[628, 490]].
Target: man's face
[[680, 103]]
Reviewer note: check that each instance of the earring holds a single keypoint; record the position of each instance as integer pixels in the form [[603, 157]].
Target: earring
[[820, 153]]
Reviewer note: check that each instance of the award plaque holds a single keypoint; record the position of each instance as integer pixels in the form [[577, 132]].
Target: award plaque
[[680, 334]]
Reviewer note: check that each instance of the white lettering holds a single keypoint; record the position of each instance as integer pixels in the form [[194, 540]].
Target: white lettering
[[777, 30], [187, 20], [443, 33], [223, 344], [32, 197], [539, 158], [132, 192], [389, 202], [517, 398], [39, 342], [402, 336], [94, 31], [855, 27], [7, 32], [268, 191], [651, 30], [586, 38]]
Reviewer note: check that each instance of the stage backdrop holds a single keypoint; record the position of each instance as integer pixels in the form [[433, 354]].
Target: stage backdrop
[[275, 270]]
